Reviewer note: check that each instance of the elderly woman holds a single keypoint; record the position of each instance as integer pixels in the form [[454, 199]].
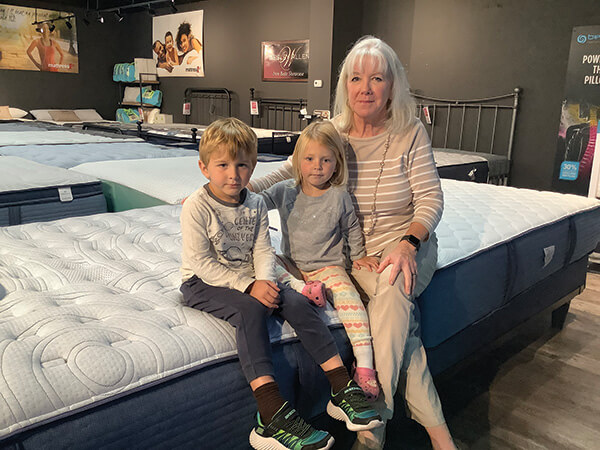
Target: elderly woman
[[397, 196]]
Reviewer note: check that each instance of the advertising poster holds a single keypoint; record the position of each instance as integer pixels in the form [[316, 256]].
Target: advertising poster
[[50, 46], [285, 60], [579, 115], [177, 44]]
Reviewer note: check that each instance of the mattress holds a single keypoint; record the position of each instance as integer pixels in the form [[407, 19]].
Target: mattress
[[32, 192], [68, 155], [498, 166], [462, 166], [169, 180], [92, 312], [54, 136]]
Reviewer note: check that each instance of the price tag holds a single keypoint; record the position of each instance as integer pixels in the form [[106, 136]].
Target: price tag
[[187, 109], [569, 170], [65, 194], [426, 114], [254, 107]]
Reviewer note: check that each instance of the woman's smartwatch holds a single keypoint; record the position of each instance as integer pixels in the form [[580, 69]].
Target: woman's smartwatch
[[413, 240]]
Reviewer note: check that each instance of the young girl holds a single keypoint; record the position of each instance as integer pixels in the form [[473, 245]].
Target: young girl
[[318, 223]]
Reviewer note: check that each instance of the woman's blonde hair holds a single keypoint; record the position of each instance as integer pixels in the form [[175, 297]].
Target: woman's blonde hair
[[401, 107], [232, 134], [325, 134]]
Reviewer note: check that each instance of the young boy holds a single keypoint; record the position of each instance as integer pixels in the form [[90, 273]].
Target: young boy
[[228, 271]]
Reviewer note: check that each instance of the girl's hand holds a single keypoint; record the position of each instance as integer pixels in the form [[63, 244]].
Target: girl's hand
[[368, 262], [402, 259], [266, 292]]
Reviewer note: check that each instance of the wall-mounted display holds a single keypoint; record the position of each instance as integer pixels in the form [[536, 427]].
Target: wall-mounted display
[[579, 115], [38, 39], [285, 60], [178, 45]]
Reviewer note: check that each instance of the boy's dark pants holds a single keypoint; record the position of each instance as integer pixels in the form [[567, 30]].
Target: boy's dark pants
[[249, 317]]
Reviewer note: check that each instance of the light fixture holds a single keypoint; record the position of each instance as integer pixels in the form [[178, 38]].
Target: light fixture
[[173, 8], [151, 11], [100, 18], [69, 24], [119, 15], [86, 20]]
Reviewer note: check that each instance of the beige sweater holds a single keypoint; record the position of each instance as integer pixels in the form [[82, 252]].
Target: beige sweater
[[409, 189]]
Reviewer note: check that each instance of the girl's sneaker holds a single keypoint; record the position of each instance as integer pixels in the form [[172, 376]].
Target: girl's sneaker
[[288, 430], [315, 291], [367, 379], [350, 406]]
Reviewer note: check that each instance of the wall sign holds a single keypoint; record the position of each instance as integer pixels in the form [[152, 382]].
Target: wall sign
[[178, 45], [50, 45], [577, 143], [285, 60]]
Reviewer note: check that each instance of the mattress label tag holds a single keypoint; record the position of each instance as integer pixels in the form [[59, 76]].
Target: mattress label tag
[[65, 194], [548, 254]]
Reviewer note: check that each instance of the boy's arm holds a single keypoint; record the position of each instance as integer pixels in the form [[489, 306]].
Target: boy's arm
[[197, 245], [263, 255], [351, 227]]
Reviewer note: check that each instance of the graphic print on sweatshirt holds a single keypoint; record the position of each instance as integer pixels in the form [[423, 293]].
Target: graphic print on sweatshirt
[[234, 240]]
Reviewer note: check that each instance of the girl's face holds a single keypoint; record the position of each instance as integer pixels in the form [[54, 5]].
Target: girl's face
[[169, 42], [317, 166], [184, 43]]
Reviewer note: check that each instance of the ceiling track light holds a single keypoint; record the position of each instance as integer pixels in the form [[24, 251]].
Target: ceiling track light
[[173, 8], [119, 15], [100, 18], [69, 24], [151, 11]]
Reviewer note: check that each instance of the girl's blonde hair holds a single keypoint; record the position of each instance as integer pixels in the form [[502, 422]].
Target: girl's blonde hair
[[325, 134], [401, 107]]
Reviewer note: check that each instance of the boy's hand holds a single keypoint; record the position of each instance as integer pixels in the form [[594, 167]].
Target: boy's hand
[[369, 262], [266, 292]]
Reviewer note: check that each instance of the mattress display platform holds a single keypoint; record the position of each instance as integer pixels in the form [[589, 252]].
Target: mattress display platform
[[56, 136], [66, 156], [455, 165], [32, 192]]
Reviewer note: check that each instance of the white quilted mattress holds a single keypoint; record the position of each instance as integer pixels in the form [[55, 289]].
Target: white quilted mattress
[[90, 307], [445, 158], [55, 137], [18, 174], [170, 179]]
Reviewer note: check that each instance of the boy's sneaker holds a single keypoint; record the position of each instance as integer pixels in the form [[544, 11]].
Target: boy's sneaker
[[288, 430], [350, 405]]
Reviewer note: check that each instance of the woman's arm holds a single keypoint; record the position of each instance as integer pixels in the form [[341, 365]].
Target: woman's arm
[[285, 172], [30, 53]]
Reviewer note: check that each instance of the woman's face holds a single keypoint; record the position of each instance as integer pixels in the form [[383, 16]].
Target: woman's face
[[368, 92], [184, 43]]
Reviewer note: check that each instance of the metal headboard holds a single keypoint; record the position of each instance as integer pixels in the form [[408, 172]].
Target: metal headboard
[[207, 104], [279, 113], [484, 125]]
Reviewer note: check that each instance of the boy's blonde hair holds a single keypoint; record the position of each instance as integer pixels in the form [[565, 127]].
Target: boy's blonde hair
[[325, 134], [232, 134]]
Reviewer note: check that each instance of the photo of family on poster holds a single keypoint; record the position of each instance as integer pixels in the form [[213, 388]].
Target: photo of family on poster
[[177, 44]]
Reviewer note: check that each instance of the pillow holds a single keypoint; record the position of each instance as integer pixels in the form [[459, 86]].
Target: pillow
[[131, 94], [5, 113], [41, 114], [88, 115], [66, 115], [17, 113]]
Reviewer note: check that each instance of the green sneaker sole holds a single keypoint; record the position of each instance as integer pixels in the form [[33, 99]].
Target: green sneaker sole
[[259, 442], [337, 413]]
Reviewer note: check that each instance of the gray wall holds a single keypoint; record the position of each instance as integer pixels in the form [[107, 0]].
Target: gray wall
[[479, 48]]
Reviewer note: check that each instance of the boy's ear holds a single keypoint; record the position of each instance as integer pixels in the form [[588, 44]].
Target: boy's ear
[[203, 168]]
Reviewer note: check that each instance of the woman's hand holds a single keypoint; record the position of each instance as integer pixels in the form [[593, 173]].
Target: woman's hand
[[369, 262], [402, 259]]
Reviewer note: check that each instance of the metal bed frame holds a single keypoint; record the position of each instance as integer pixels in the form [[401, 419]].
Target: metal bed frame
[[280, 113], [207, 104], [483, 125]]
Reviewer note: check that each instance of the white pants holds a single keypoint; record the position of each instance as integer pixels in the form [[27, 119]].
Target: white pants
[[400, 358]]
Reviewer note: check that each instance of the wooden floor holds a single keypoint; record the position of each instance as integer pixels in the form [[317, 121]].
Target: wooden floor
[[540, 390]]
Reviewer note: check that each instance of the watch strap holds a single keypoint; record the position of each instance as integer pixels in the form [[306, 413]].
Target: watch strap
[[413, 240]]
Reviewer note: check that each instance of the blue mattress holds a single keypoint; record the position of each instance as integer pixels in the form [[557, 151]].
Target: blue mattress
[[70, 155]]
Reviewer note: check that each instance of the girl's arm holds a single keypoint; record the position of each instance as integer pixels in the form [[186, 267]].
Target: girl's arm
[[30, 54], [285, 172], [350, 226], [274, 195]]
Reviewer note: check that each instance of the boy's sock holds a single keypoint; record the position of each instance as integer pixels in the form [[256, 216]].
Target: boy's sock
[[338, 378], [269, 401]]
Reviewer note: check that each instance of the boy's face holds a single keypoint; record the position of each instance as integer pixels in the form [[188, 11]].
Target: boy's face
[[227, 177]]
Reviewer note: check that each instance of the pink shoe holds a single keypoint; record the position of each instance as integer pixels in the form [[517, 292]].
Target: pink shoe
[[367, 379], [315, 292]]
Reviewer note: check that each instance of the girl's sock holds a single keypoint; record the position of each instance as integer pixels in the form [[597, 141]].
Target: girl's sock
[[363, 352], [286, 278], [338, 378], [269, 401]]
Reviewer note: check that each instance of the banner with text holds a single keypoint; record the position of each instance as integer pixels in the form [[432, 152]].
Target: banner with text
[[579, 115], [38, 39]]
